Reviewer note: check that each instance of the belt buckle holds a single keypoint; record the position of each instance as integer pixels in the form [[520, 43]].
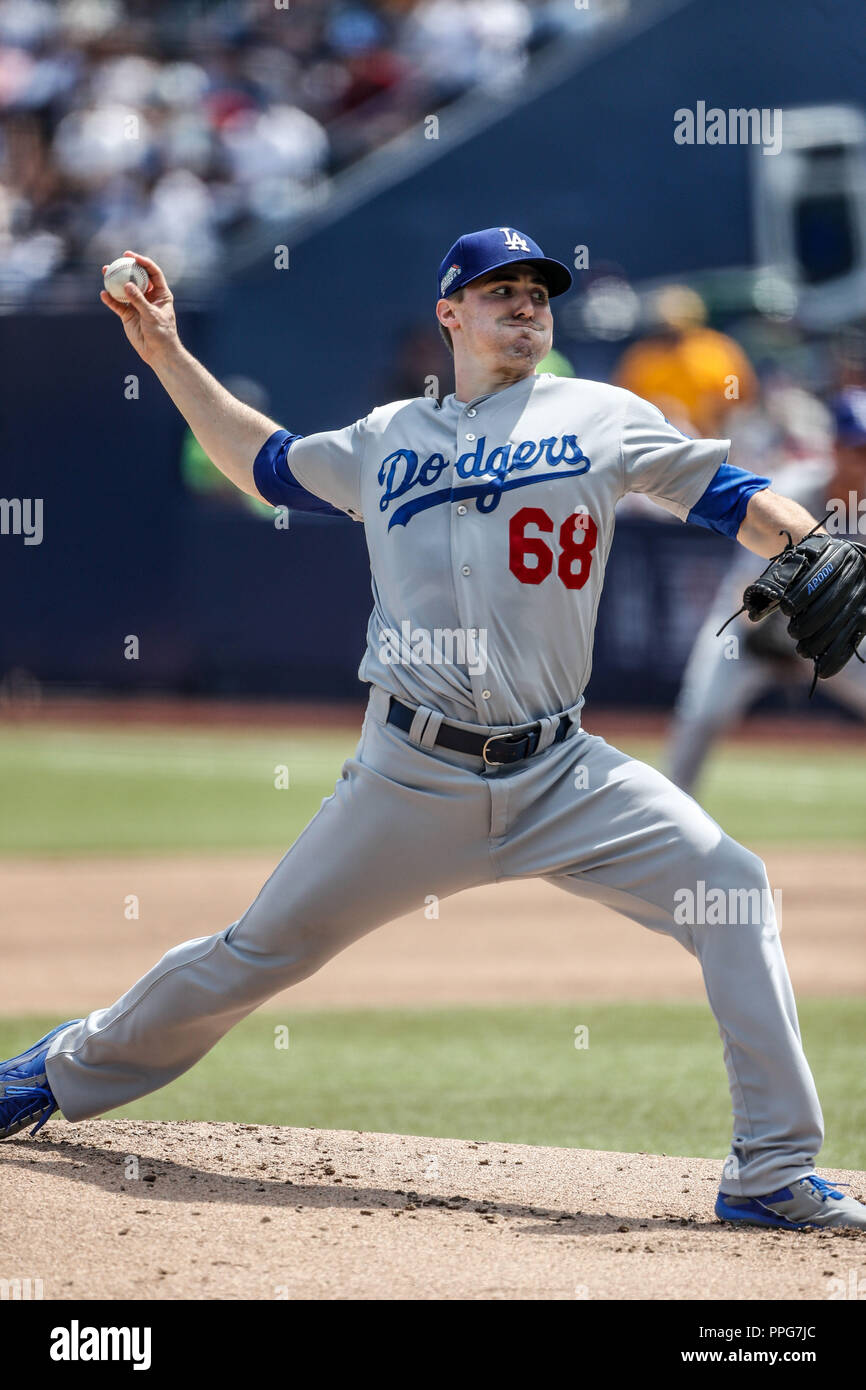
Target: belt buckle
[[492, 739], [487, 742]]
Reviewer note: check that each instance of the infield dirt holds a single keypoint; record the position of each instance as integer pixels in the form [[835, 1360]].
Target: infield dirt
[[69, 947], [227, 1211]]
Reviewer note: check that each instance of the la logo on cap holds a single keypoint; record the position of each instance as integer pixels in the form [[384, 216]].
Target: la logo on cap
[[513, 240]]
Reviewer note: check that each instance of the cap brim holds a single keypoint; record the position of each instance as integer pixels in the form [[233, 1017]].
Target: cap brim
[[557, 275]]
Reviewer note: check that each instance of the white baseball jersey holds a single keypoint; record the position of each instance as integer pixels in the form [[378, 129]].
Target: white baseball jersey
[[489, 524]]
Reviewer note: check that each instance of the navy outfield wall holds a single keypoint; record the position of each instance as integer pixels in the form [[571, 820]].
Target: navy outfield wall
[[109, 562], [216, 598]]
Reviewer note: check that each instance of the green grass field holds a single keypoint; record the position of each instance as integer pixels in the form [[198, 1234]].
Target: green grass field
[[651, 1079], [116, 791]]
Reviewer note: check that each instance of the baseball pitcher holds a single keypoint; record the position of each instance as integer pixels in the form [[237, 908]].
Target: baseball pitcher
[[491, 511]]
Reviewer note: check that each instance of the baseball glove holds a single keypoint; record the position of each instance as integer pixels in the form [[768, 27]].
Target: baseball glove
[[820, 586]]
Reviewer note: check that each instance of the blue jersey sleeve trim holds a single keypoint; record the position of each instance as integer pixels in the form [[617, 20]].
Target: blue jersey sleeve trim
[[277, 483], [723, 504]]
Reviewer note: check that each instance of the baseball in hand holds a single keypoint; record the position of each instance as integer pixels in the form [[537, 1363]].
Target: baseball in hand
[[120, 272]]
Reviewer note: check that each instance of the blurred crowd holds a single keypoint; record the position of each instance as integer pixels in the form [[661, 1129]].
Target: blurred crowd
[[765, 384], [178, 125]]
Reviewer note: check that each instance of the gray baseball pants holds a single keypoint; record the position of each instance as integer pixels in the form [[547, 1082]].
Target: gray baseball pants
[[406, 821]]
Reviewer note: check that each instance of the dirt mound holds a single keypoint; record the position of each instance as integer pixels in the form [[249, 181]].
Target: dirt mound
[[115, 1210]]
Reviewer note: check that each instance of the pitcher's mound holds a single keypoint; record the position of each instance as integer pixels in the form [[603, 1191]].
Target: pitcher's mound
[[188, 1210]]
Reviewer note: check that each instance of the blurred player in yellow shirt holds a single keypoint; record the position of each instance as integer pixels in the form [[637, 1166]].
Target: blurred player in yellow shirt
[[692, 373]]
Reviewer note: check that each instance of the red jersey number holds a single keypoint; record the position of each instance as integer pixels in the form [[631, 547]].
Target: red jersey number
[[520, 546], [530, 558], [578, 536]]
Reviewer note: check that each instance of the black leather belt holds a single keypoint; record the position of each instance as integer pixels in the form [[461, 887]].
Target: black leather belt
[[495, 749]]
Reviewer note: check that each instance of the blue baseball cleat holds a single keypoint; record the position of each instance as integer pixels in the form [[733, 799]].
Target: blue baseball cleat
[[811, 1201], [25, 1095]]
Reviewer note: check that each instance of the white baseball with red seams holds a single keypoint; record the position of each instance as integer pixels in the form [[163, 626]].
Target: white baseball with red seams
[[118, 275]]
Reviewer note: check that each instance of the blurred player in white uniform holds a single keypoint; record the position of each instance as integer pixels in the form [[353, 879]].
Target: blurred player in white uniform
[[728, 672]]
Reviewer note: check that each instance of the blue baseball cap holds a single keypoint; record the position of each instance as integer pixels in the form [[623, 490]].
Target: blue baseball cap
[[478, 252], [849, 416]]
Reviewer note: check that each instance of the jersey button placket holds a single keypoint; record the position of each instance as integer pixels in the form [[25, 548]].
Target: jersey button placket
[[462, 541]]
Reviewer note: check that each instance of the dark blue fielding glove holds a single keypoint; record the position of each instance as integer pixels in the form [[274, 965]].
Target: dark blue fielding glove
[[820, 586]]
